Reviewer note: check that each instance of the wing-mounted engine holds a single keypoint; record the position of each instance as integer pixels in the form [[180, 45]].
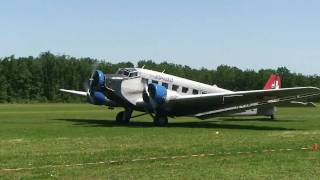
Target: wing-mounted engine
[[157, 93], [157, 96]]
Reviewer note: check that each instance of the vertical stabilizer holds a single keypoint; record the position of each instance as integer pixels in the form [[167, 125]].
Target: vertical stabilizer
[[274, 82]]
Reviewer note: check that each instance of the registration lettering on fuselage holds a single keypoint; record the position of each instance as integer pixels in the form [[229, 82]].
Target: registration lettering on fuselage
[[161, 78]]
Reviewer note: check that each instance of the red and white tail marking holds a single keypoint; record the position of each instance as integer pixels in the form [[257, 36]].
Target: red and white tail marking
[[274, 82]]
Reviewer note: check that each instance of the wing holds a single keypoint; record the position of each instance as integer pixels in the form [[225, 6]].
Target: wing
[[298, 104], [80, 93], [202, 105]]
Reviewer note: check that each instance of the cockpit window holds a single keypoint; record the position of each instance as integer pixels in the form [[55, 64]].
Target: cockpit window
[[126, 73], [129, 72], [133, 74], [120, 71]]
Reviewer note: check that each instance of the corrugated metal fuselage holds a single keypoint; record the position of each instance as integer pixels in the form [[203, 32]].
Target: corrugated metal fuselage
[[128, 91]]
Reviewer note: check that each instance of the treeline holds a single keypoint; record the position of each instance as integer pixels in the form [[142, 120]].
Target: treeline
[[38, 79]]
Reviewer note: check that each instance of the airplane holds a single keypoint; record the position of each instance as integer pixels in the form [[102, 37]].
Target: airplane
[[162, 95]]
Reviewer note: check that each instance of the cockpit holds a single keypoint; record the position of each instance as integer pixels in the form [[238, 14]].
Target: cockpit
[[129, 72]]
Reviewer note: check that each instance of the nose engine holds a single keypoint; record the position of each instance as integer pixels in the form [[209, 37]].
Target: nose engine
[[96, 91]]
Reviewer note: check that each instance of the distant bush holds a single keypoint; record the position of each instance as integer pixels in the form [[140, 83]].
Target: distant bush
[[38, 79]]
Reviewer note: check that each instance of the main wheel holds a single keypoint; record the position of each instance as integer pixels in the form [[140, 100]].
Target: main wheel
[[122, 118], [160, 120]]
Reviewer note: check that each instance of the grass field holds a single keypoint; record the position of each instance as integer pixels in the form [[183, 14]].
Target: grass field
[[78, 141]]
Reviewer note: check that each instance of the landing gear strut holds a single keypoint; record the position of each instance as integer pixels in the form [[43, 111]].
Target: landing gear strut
[[123, 117]]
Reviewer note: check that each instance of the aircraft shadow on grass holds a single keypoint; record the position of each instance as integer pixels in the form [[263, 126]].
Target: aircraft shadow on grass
[[204, 124]]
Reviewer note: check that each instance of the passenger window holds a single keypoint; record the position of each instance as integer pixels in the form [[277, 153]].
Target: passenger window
[[175, 87], [155, 82], [203, 92], [195, 91], [184, 89], [165, 85]]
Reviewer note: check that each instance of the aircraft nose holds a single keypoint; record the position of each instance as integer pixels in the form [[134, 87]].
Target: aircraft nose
[[97, 80]]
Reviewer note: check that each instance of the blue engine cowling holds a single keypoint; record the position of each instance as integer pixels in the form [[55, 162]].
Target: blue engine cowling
[[99, 98], [96, 88], [99, 78], [158, 93]]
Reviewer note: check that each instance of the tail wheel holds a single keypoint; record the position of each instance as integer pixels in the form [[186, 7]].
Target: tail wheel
[[160, 120]]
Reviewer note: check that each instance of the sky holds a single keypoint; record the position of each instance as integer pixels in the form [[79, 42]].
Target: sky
[[249, 34]]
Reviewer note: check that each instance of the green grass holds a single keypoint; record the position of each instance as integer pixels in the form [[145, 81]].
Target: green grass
[[37, 135]]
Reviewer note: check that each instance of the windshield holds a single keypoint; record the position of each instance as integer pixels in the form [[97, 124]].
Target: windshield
[[129, 72]]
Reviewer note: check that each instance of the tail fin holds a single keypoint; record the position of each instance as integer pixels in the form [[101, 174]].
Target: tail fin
[[274, 82]]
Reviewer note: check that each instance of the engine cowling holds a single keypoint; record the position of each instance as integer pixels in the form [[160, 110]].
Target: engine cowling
[[99, 98], [96, 89], [98, 80], [158, 93]]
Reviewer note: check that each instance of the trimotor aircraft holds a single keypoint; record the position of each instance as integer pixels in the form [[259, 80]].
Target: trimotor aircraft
[[162, 95]]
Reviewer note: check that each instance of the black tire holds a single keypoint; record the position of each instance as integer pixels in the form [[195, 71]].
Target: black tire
[[121, 118], [160, 120]]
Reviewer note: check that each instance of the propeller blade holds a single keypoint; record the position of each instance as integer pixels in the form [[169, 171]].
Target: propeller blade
[[88, 84], [152, 103], [93, 70]]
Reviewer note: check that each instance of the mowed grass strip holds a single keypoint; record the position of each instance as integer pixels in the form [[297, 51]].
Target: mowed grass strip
[[37, 135]]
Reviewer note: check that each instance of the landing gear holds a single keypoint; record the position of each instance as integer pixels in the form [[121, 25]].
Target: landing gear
[[160, 120], [123, 117]]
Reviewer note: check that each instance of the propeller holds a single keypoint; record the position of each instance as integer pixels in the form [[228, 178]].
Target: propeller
[[148, 99], [88, 85]]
